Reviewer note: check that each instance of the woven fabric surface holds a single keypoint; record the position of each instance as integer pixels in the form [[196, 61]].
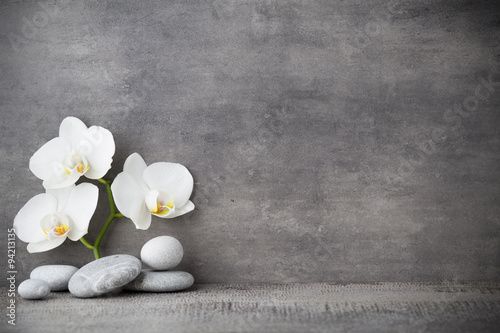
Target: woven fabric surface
[[380, 307]]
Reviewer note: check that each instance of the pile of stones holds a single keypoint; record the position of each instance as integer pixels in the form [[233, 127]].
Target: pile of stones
[[114, 273]]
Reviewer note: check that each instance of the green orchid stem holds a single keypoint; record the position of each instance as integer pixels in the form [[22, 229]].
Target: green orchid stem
[[103, 231], [113, 215], [110, 195], [87, 244]]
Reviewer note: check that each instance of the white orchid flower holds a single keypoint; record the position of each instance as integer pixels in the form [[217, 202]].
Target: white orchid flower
[[47, 219], [161, 189], [76, 152]]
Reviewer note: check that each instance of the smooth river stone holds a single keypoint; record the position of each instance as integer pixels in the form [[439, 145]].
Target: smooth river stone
[[161, 281], [57, 276], [162, 253], [33, 289], [104, 275]]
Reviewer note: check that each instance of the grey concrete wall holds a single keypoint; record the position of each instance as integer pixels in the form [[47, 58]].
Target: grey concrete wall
[[336, 141]]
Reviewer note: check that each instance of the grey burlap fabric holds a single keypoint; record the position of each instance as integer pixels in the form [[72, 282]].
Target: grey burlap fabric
[[381, 307]]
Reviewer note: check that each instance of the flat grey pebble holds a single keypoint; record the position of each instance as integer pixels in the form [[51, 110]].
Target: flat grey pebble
[[162, 253], [104, 275], [33, 289], [57, 276], [161, 281]]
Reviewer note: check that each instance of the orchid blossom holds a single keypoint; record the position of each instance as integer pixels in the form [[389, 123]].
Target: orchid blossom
[[76, 152], [47, 219], [161, 189]]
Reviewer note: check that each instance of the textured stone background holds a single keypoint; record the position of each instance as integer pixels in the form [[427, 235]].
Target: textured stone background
[[334, 141]]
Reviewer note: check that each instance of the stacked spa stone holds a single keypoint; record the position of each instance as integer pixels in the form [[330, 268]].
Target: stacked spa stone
[[45, 279], [114, 273], [123, 272], [104, 275], [161, 254]]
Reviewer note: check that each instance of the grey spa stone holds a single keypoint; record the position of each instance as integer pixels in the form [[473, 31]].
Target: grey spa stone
[[33, 289], [162, 253], [161, 281], [57, 276], [104, 275]]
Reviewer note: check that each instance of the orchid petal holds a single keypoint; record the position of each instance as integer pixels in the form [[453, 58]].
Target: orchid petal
[[72, 129], [151, 200], [134, 165], [60, 179], [129, 199], [142, 218], [42, 162], [75, 233], [80, 208], [98, 146], [27, 220], [45, 245], [189, 206], [172, 178], [62, 195]]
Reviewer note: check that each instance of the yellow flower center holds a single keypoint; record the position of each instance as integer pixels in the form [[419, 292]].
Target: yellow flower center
[[159, 203], [58, 230], [74, 162], [162, 209], [55, 225]]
